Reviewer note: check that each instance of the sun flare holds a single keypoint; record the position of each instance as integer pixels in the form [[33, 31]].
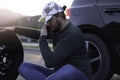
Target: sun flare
[[29, 7]]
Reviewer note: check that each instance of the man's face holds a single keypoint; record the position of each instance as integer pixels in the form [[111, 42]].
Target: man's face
[[54, 24]]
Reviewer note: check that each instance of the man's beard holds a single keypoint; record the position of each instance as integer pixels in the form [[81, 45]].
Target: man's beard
[[58, 27]]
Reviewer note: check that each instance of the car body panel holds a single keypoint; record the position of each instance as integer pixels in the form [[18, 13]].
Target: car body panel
[[93, 12], [109, 10]]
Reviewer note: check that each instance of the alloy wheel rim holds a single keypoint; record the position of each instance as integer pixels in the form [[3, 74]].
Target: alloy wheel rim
[[5, 61], [95, 57]]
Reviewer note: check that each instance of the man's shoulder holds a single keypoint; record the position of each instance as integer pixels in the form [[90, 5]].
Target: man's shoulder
[[75, 30]]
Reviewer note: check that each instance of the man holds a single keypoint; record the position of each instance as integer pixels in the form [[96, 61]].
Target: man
[[68, 59]]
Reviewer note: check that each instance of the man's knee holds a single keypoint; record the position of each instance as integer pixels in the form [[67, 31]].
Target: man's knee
[[55, 77], [67, 72], [23, 67]]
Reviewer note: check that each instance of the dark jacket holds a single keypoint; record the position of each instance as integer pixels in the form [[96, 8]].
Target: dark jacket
[[69, 48]]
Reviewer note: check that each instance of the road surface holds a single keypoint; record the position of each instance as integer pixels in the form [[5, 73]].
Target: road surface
[[33, 55]]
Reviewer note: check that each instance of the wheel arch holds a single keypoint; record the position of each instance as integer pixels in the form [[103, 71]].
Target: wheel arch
[[87, 28]]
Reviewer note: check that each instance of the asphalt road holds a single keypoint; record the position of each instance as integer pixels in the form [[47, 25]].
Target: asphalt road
[[32, 55]]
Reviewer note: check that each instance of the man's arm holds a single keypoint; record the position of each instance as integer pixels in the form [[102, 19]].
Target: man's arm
[[63, 49]]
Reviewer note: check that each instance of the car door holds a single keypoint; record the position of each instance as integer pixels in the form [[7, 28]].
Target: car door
[[109, 10]]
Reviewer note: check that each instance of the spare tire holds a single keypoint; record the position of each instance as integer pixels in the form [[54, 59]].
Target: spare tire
[[99, 57], [11, 55]]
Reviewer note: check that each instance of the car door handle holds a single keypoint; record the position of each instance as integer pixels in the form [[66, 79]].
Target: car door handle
[[112, 10]]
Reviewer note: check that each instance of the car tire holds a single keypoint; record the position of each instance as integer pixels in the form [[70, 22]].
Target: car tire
[[99, 57], [11, 55]]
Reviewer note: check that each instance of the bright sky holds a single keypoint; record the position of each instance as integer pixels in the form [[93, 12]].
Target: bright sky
[[29, 7]]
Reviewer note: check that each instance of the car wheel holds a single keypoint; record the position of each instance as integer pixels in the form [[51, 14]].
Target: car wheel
[[11, 55], [99, 57]]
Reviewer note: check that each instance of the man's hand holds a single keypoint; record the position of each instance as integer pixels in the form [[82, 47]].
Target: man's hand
[[44, 30]]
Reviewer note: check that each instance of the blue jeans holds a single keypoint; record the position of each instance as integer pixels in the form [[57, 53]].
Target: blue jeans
[[34, 72]]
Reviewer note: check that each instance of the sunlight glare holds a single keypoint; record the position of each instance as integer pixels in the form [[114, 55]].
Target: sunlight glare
[[29, 7]]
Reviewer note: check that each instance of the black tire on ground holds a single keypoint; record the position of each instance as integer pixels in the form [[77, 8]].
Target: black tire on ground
[[11, 55], [99, 57]]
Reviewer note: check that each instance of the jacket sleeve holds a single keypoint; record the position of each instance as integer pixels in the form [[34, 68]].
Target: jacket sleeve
[[63, 49]]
